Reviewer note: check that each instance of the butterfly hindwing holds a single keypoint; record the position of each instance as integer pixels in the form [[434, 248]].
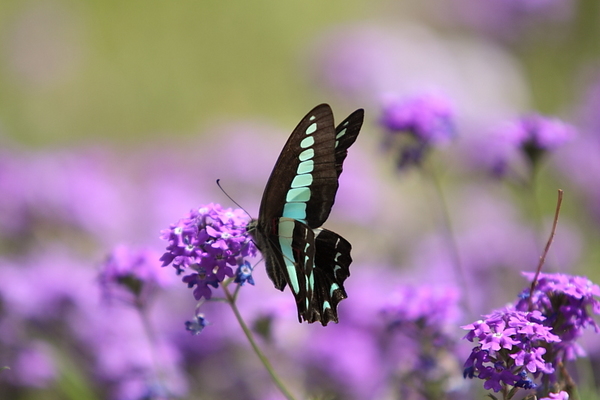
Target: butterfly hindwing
[[289, 251], [298, 198], [331, 268]]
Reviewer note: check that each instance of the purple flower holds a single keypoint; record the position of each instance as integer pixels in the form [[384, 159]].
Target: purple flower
[[525, 382], [244, 273], [496, 376], [538, 131], [562, 395], [34, 365], [533, 135], [532, 360], [564, 301], [68, 190], [197, 324], [511, 343], [427, 119], [507, 19], [209, 241], [420, 319], [136, 272], [422, 307]]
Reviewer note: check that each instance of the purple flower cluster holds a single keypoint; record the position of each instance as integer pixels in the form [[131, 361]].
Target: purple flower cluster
[[508, 20], [533, 135], [565, 300], [127, 271], [422, 307], [510, 343], [427, 119], [535, 336], [422, 318], [210, 241]]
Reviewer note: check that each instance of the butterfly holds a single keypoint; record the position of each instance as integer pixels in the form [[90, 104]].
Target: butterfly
[[314, 262]]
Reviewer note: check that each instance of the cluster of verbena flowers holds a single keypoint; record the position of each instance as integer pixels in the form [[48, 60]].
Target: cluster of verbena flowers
[[209, 242], [532, 337], [533, 135], [420, 321], [426, 119], [131, 274], [564, 300]]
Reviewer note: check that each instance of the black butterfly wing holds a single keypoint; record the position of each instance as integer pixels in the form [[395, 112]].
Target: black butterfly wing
[[331, 268], [304, 181], [298, 199], [345, 135], [332, 255], [289, 251]]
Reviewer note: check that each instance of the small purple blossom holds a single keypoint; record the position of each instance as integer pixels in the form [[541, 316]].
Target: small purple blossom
[[209, 241], [244, 274], [538, 131], [427, 119], [136, 271], [511, 344], [525, 382], [197, 324], [562, 395], [423, 306], [419, 318], [533, 135], [35, 366]]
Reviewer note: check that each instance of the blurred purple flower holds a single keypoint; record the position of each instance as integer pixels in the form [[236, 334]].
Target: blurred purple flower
[[426, 119], [197, 324], [506, 19], [132, 272], [533, 135], [66, 284], [358, 371], [209, 241], [562, 395], [124, 355], [414, 309], [34, 365], [66, 190], [421, 319]]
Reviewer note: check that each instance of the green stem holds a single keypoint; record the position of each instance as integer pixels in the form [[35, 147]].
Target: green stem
[[259, 353], [151, 335], [450, 236], [536, 210]]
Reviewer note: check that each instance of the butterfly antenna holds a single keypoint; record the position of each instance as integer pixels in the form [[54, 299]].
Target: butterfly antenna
[[229, 197]]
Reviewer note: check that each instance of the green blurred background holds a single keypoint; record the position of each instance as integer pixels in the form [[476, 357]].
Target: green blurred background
[[133, 70]]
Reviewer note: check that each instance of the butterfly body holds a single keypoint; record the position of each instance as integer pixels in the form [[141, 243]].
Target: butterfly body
[[298, 197]]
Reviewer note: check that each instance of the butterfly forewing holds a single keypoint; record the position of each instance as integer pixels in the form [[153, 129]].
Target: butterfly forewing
[[304, 182], [345, 135]]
